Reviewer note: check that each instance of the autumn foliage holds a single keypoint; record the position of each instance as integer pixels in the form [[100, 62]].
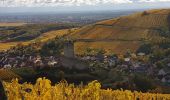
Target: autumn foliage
[[43, 90]]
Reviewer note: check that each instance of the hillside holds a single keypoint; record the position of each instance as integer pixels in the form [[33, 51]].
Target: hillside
[[126, 32], [43, 38], [12, 35], [29, 31]]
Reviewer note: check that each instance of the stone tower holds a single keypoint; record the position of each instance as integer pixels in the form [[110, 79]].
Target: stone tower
[[69, 49]]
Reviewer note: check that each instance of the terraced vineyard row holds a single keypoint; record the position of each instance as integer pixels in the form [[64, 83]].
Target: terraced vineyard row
[[147, 21], [6, 74]]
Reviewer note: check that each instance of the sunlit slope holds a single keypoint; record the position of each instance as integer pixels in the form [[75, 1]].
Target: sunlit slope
[[43, 38], [118, 47], [127, 32]]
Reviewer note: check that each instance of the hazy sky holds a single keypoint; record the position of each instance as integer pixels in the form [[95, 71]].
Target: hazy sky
[[76, 5]]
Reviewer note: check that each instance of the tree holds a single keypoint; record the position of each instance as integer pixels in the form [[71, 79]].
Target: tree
[[2, 92], [160, 65], [100, 51], [145, 48], [88, 51], [158, 54], [145, 13], [143, 83], [53, 47]]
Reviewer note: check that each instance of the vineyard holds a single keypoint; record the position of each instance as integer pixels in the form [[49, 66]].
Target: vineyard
[[7, 75], [149, 26], [43, 90]]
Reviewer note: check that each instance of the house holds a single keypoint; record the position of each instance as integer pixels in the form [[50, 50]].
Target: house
[[7, 66], [38, 63], [166, 79], [141, 69], [86, 58], [127, 59], [112, 62], [141, 54], [168, 64], [135, 65], [161, 72], [164, 75], [163, 80], [52, 63]]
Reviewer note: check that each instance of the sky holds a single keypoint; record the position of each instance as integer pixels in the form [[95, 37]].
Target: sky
[[78, 5]]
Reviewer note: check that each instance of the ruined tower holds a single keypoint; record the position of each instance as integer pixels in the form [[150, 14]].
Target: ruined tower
[[69, 49]]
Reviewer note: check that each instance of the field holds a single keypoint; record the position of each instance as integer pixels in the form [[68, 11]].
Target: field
[[11, 24]]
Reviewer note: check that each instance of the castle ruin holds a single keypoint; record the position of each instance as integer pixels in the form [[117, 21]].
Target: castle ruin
[[69, 49]]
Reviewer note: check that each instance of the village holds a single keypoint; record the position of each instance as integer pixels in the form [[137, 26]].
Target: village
[[133, 63]]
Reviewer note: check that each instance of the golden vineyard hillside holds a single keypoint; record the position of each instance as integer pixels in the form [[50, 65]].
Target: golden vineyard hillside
[[126, 32]]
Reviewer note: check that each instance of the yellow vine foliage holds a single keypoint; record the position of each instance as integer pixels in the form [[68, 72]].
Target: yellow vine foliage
[[43, 90]]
